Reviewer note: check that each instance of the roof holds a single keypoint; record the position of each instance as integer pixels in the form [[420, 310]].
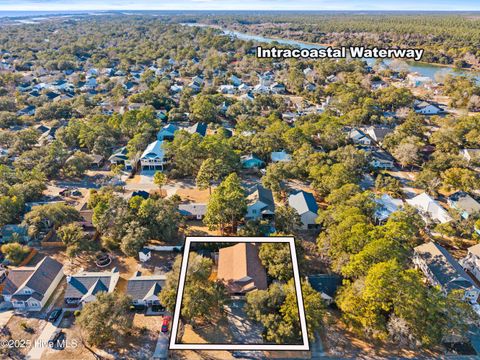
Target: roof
[[463, 201], [140, 287], [386, 205], [303, 202], [90, 283], [199, 128], [38, 278], [154, 151], [262, 194], [378, 133], [167, 130], [325, 283], [277, 156], [240, 268], [446, 270], [426, 204], [475, 250], [192, 209]]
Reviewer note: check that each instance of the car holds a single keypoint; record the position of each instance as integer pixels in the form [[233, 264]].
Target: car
[[165, 323], [52, 342], [54, 315]]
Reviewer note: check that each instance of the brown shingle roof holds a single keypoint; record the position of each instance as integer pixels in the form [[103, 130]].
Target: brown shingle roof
[[240, 268]]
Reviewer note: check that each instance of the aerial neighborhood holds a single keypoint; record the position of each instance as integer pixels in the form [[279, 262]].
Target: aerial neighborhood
[[122, 135]]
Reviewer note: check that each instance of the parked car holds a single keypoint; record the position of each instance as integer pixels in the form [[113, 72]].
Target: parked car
[[165, 324], [54, 315], [52, 342]]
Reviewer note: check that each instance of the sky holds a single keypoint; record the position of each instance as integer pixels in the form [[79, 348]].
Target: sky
[[70, 5]]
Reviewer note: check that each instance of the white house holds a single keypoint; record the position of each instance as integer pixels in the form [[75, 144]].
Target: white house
[[441, 269], [425, 108], [306, 206], [280, 156], [29, 288], [153, 158], [471, 262], [429, 209], [83, 287], [260, 203], [144, 254], [385, 206], [144, 290]]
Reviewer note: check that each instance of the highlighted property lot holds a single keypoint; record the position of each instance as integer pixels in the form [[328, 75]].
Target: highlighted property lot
[[228, 271]]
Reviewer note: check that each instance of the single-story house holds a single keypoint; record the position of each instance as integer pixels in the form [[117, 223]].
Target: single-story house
[[260, 203], [240, 269], [144, 290], [306, 206], [153, 158], [193, 211], [464, 203], [83, 287], [251, 162], [441, 269], [29, 287], [429, 208]]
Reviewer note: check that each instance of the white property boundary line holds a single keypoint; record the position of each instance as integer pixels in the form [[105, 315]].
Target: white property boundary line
[[183, 272]]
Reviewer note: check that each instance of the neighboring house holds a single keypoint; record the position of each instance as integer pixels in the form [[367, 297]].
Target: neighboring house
[[307, 208], [260, 203], [471, 155], [83, 287], [144, 290], [278, 88], [120, 157], [464, 203], [193, 211], [199, 128], [153, 158], [425, 108], [28, 111], [358, 137], [167, 132], [280, 156], [380, 159], [385, 206], [441, 269], [377, 133], [240, 269], [251, 162], [29, 288], [326, 285], [144, 254], [429, 208], [235, 80], [471, 262]]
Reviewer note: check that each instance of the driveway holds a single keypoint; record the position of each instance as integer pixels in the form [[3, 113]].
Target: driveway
[[243, 330], [5, 317], [161, 350], [41, 343]]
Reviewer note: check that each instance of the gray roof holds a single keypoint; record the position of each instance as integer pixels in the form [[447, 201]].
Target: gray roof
[[462, 201], [260, 193], [38, 278], [446, 270], [87, 283], [192, 209], [325, 283], [303, 202], [140, 287]]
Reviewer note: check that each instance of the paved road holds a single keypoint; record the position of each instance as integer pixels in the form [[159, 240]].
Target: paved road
[[161, 350], [41, 343]]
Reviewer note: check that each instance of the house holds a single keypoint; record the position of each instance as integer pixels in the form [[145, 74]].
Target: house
[[227, 89], [429, 209], [247, 96], [120, 157], [240, 269], [29, 287], [310, 87], [358, 137], [416, 80], [306, 206], [167, 132], [280, 156], [235, 80], [470, 155], [83, 287], [144, 254], [199, 128], [326, 285], [153, 158], [251, 162], [377, 133], [28, 111], [441, 269], [261, 89], [193, 211], [426, 108], [464, 203], [385, 206], [471, 262], [260, 203], [380, 159], [144, 290], [244, 88]]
